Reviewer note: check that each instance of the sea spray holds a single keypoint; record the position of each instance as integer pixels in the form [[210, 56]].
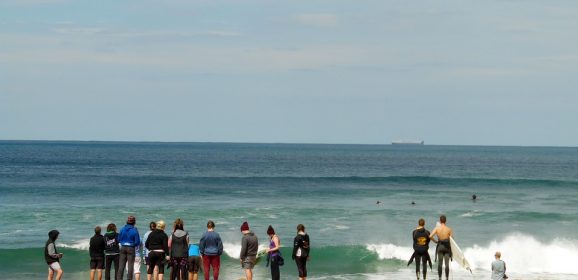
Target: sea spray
[[525, 254]]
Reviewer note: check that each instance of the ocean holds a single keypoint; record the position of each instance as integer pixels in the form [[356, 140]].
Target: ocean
[[527, 202]]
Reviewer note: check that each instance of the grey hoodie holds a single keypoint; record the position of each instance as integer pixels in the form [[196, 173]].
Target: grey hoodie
[[249, 245]]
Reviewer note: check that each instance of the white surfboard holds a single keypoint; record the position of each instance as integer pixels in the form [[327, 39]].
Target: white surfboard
[[458, 255]]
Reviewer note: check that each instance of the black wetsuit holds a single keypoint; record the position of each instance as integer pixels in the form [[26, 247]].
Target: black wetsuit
[[420, 246], [444, 253]]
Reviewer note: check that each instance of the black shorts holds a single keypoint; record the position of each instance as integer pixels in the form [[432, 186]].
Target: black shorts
[[96, 263], [156, 259], [194, 263]]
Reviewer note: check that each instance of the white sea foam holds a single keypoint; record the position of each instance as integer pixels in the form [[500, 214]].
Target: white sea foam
[[523, 254], [234, 250], [390, 251], [471, 214], [341, 227], [82, 244]]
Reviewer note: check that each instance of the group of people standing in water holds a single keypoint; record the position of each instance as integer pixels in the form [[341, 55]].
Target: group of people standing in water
[[125, 250]]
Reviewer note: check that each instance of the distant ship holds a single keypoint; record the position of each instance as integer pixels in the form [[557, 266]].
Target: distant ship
[[407, 142]]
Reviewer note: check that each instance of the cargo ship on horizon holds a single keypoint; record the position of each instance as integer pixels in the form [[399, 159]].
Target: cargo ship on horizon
[[407, 142]]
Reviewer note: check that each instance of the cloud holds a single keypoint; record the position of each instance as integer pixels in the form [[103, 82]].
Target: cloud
[[211, 58], [31, 2], [79, 30], [481, 72], [220, 33], [317, 20], [159, 36]]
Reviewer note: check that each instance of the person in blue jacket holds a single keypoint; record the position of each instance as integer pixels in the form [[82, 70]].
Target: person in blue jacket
[[129, 240], [211, 248]]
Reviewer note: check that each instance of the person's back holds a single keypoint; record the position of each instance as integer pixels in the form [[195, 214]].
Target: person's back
[[129, 240], [211, 248], [96, 251], [97, 246], [498, 268], [194, 261], [249, 248], [443, 250], [443, 232], [111, 243], [128, 236], [211, 244], [179, 244], [301, 251], [111, 251], [249, 245], [421, 241], [157, 241], [157, 244]]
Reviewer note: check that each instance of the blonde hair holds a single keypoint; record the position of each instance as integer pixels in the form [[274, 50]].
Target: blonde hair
[[161, 225]]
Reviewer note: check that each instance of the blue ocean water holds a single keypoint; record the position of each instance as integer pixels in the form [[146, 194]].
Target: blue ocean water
[[527, 202]]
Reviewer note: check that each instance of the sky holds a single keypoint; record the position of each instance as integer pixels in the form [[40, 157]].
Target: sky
[[452, 72]]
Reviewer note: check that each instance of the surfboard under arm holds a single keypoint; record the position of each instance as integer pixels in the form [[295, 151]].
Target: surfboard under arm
[[458, 255]]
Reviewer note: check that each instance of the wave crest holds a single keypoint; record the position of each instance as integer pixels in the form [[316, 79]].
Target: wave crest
[[522, 253]]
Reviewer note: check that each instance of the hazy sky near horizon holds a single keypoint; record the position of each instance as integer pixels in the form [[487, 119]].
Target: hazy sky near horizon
[[301, 71]]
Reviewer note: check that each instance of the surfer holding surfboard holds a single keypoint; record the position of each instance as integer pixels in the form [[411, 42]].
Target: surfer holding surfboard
[[443, 249]]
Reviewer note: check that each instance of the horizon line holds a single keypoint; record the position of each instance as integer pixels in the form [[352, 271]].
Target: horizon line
[[273, 143]]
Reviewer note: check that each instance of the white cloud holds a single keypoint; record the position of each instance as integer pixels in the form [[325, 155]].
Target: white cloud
[[79, 30], [220, 33], [486, 72], [317, 20], [31, 2], [196, 58]]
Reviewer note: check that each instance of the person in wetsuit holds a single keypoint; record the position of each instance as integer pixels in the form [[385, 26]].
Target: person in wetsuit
[[421, 241], [444, 250]]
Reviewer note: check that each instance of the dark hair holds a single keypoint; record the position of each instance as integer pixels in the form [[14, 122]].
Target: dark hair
[[300, 227], [421, 222], [210, 224], [97, 230], [178, 224], [53, 235], [270, 230], [152, 225], [111, 227], [443, 219]]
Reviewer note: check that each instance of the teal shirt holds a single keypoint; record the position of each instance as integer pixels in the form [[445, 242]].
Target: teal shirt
[[194, 250]]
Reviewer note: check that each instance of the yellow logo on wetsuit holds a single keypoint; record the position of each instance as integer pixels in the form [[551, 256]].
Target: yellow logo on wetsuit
[[421, 241]]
